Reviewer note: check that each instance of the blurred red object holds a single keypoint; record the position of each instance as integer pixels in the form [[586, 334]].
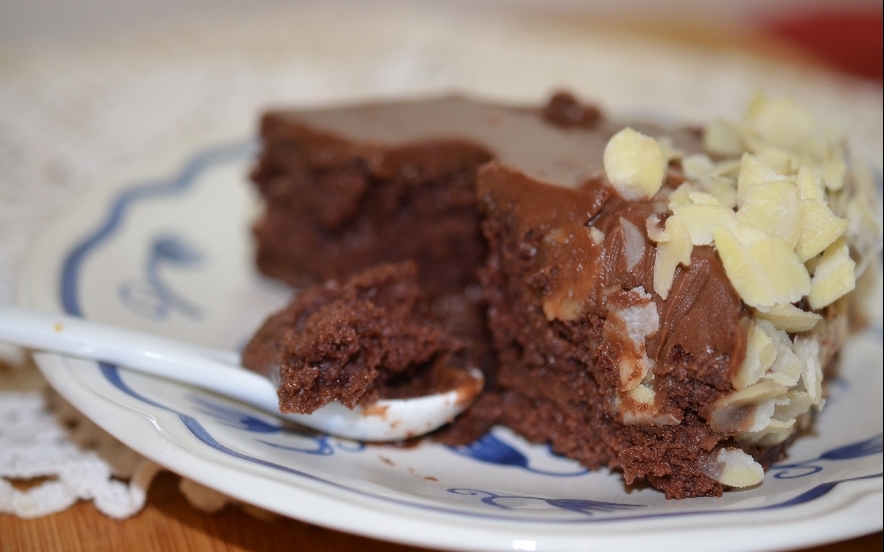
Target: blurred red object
[[851, 41]]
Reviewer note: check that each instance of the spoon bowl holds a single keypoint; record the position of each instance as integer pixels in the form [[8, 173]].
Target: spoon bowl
[[219, 371]]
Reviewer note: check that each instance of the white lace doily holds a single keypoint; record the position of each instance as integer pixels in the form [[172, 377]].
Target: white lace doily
[[78, 111], [77, 460]]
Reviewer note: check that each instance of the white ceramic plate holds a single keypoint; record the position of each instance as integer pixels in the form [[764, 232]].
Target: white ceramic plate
[[170, 253]]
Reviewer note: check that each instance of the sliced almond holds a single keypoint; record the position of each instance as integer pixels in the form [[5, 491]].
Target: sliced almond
[[783, 122], [633, 243], [761, 352], [697, 166], [774, 208], [863, 211], [864, 231], [833, 276], [701, 219], [734, 468], [643, 394], [681, 195], [819, 228], [796, 404], [764, 270], [748, 409], [787, 367], [647, 414], [808, 350], [752, 172], [675, 250], [779, 160], [723, 188], [833, 174], [634, 164], [789, 318], [654, 228], [810, 185], [627, 329], [728, 167], [703, 198], [669, 149], [775, 433], [723, 138]]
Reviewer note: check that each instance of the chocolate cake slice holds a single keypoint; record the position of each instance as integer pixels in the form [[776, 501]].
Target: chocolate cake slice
[[356, 341], [661, 301], [346, 188]]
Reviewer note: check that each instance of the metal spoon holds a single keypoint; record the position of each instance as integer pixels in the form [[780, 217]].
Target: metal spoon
[[220, 372]]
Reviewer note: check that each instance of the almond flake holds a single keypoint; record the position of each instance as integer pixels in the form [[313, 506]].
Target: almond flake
[[634, 164], [734, 468], [752, 172], [723, 138], [833, 276], [788, 317], [701, 219], [808, 350], [783, 123], [764, 270], [774, 208], [675, 250], [819, 228], [761, 352]]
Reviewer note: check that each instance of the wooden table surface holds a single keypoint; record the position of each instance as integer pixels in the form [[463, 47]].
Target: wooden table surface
[[168, 522]]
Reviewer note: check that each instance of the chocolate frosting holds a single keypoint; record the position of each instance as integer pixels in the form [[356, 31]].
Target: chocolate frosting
[[701, 320], [559, 149]]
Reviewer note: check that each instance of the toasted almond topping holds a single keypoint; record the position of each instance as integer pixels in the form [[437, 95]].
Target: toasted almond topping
[[810, 185], [796, 404], [752, 172], [701, 219], [786, 368], [681, 195], [775, 433], [634, 243], [724, 188], [747, 410], [808, 350], [819, 228], [774, 208], [833, 174], [734, 468], [723, 138], [697, 166], [782, 122], [643, 394], [861, 209], [787, 219], [673, 251], [761, 352], [641, 409], [833, 276], [789, 317], [670, 151], [634, 164], [780, 161], [629, 329], [654, 228], [764, 270]]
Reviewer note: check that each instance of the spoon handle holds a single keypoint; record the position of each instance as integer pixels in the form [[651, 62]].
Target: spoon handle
[[149, 354], [218, 371]]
